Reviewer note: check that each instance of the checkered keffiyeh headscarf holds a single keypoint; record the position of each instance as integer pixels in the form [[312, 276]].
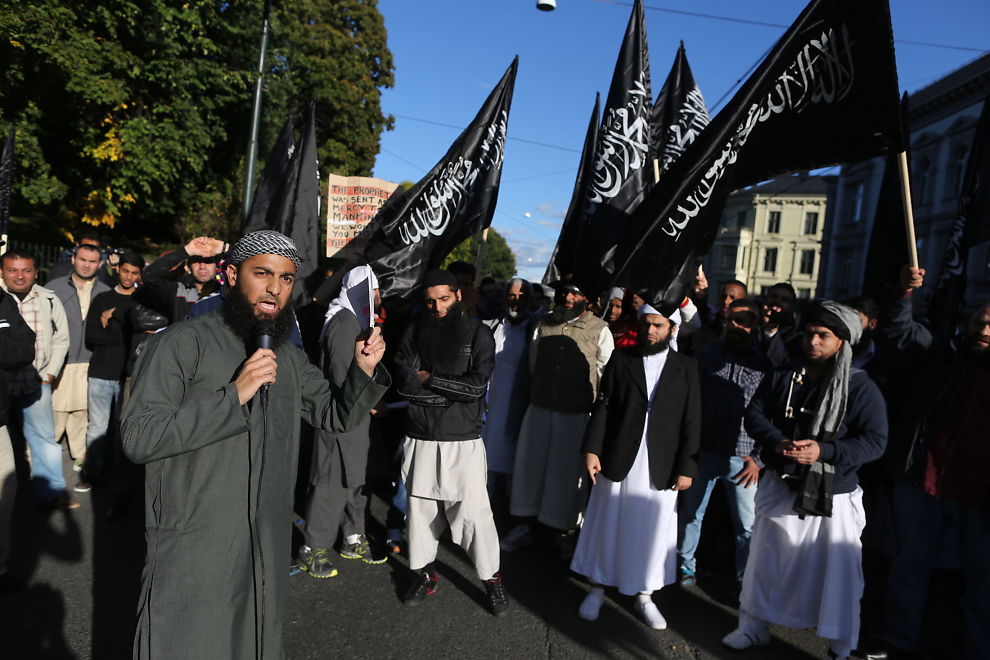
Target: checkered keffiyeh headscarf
[[265, 241]]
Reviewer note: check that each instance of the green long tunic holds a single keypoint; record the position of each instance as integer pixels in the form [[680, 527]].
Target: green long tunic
[[218, 487]]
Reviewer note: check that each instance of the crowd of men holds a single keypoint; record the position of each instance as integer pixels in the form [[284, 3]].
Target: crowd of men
[[602, 423]]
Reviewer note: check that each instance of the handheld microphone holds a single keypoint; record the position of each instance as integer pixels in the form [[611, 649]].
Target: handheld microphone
[[264, 337]]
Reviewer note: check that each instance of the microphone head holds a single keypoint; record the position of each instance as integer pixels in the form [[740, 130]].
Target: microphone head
[[264, 334]]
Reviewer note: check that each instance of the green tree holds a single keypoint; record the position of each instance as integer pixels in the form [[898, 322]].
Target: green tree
[[134, 114], [498, 260]]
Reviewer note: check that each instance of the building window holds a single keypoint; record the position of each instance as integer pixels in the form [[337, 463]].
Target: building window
[[924, 181], [804, 294], [811, 222], [741, 220], [729, 253], [764, 290], [807, 262], [959, 169], [773, 222], [857, 199], [770, 260]]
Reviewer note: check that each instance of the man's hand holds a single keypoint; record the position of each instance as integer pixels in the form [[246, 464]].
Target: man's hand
[[258, 370], [593, 465], [682, 483], [700, 281], [749, 475], [105, 316], [803, 452], [911, 278], [197, 247], [369, 349]]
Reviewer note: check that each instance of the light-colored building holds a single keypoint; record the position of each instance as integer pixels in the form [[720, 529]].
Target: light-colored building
[[942, 121], [772, 233]]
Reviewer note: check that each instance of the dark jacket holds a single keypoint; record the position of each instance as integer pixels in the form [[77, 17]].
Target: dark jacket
[[448, 406], [941, 374], [16, 347], [174, 297], [111, 344], [674, 432], [859, 439]]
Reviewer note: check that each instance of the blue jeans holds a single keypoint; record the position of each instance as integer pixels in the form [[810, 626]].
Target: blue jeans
[[47, 479], [694, 502], [103, 399]]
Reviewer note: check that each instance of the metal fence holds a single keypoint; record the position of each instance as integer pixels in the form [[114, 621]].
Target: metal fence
[[45, 254]]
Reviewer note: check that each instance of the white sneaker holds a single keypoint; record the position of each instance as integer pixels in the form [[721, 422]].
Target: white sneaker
[[591, 606], [519, 537], [740, 641], [651, 614]]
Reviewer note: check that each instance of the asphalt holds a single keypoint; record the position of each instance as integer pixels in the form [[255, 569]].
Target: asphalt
[[83, 574]]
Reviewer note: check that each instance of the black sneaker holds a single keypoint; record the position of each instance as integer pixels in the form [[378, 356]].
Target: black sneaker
[[425, 583], [316, 562], [497, 599], [360, 550], [82, 484]]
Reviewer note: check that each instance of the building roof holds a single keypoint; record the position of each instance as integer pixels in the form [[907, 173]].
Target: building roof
[[956, 90], [796, 184]]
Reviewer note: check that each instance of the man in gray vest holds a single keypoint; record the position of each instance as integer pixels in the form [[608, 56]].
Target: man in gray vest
[[571, 347], [70, 390]]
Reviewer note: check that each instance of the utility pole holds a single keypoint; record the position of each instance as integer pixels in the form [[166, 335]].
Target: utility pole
[[252, 160]]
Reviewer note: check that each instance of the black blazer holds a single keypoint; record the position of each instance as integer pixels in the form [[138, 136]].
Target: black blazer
[[674, 433]]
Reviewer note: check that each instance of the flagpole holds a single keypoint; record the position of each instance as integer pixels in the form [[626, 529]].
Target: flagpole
[[481, 253], [256, 116], [912, 243], [656, 171]]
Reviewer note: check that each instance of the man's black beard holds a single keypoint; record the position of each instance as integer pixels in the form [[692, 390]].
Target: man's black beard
[[561, 314], [239, 315], [439, 339], [647, 348]]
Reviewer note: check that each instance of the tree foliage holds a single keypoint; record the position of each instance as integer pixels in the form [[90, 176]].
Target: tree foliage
[[498, 260], [134, 114]]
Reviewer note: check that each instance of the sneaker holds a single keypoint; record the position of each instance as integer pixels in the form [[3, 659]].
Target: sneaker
[[82, 484], [687, 578], [61, 502], [393, 541], [425, 583], [497, 600], [740, 641], [360, 550], [77, 466], [591, 606], [650, 613], [316, 562], [520, 536]]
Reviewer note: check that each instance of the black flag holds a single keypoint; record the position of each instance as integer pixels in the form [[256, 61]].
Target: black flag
[[6, 185], [972, 226], [679, 114], [888, 239], [416, 228], [294, 204], [825, 94], [564, 260], [622, 169], [273, 179]]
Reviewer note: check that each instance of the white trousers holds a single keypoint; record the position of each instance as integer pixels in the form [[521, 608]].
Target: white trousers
[[446, 486]]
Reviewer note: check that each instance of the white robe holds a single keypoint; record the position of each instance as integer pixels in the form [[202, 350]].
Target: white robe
[[805, 573], [629, 537], [510, 343]]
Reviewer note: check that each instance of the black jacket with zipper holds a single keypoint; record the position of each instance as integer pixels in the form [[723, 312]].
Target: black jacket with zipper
[[448, 406]]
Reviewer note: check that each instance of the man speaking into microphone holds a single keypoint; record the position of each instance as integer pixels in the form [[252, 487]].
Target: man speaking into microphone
[[221, 459]]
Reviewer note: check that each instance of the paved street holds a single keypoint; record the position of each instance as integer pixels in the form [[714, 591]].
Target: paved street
[[84, 574]]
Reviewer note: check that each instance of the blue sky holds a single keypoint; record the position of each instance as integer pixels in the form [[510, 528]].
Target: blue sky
[[448, 55]]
